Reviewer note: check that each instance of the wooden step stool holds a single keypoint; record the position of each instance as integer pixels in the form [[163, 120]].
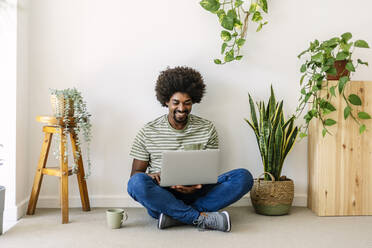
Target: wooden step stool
[[56, 125]]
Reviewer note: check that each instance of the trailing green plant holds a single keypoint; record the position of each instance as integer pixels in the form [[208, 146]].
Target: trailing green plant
[[275, 136], [234, 20], [320, 62], [73, 100]]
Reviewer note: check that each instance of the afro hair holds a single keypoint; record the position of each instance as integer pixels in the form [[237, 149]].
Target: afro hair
[[179, 79]]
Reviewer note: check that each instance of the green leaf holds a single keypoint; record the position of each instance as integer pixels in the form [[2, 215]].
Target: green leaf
[[324, 132], [225, 35], [229, 56], [346, 47], [239, 57], [227, 22], [341, 83], [332, 71], [217, 61], [302, 79], [303, 68], [346, 36], [350, 66], [252, 8], [329, 106], [347, 111], [362, 128], [342, 55], [259, 27], [223, 47], [318, 57], [354, 99], [303, 135], [240, 42], [210, 5], [263, 4], [220, 13], [364, 115], [361, 43], [332, 90], [361, 62], [256, 16], [238, 3], [329, 122]]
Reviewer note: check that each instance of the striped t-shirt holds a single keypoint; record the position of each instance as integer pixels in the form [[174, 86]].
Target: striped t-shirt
[[158, 136]]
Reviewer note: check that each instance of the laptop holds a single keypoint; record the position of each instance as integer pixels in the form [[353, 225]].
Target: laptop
[[189, 167]]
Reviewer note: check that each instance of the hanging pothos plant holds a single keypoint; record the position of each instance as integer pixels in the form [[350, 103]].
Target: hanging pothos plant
[[234, 19]]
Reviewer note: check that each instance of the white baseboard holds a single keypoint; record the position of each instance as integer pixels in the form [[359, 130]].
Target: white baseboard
[[127, 202], [16, 212]]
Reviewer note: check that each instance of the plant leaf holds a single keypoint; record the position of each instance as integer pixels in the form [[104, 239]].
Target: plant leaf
[[263, 4], [256, 16], [225, 35], [318, 57], [329, 122], [238, 3], [347, 111], [364, 115], [239, 57], [210, 5], [227, 22], [217, 61], [362, 128], [303, 68], [361, 62], [350, 66], [324, 132], [240, 42], [361, 43], [332, 90], [346, 36], [341, 83], [354, 99], [342, 55], [224, 45]]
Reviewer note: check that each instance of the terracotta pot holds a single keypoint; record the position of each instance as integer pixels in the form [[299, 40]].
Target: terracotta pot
[[272, 197], [341, 70]]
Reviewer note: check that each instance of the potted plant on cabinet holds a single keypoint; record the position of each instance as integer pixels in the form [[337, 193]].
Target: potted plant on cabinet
[[326, 61], [69, 105], [275, 137]]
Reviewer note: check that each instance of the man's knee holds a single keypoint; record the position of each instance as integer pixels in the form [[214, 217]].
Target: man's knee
[[245, 179], [136, 183]]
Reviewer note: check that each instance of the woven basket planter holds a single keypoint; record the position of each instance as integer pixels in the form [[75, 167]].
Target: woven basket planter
[[59, 105], [272, 197]]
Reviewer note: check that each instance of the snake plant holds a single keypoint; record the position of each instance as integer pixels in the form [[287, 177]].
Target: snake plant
[[275, 135]]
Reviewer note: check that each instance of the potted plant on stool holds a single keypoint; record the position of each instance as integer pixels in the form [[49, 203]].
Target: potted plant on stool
[[272, 195], [68, 104]]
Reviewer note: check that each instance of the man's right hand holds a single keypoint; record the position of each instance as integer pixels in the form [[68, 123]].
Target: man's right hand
[[155, 176]]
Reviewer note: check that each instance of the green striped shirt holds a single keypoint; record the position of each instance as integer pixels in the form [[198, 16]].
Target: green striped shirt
[[158, 136]]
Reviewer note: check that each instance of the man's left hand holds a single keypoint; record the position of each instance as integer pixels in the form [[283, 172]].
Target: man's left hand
[[186, 189]]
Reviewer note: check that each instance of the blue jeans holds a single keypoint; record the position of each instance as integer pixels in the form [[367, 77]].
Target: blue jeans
[[231, 186]]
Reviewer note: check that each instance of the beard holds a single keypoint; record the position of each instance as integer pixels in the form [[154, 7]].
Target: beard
[[180, 119]]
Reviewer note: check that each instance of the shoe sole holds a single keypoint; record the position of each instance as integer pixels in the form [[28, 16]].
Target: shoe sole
[[228, 221], [160, 220]]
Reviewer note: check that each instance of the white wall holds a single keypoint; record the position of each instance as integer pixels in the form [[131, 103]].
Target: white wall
[[14, 174], [113, 51]]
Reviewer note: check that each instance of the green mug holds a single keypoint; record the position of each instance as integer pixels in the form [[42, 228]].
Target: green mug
[[116, 217]]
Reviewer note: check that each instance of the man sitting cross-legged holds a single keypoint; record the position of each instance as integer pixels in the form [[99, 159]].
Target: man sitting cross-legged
[[178, 89]]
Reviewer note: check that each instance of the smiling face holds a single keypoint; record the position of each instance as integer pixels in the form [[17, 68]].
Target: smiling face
[[179, 105]]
